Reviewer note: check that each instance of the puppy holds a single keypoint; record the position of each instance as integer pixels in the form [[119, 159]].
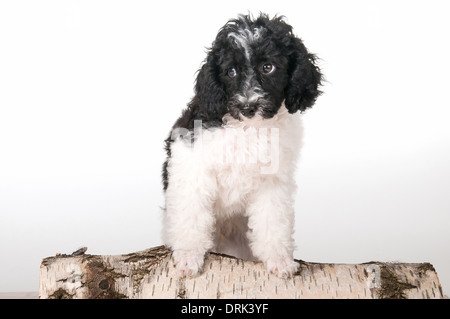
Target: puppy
[[231, 156]]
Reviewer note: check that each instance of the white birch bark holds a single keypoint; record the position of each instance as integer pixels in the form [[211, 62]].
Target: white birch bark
[[151, 274]]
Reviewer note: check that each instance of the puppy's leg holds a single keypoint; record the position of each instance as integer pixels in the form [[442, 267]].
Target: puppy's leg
[[188, 227], [188, 221], [271, 226]]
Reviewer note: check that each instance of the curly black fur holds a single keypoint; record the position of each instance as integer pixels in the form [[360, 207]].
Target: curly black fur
[[246, 45]]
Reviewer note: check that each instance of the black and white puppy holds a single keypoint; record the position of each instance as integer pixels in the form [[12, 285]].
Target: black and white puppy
[[229, 175]]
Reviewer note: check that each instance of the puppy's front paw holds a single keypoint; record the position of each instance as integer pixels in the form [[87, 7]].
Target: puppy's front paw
[[283, 267], [188, 262]]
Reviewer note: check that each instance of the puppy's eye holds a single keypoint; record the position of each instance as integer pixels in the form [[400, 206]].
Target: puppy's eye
[[232, 72], [268, 68]]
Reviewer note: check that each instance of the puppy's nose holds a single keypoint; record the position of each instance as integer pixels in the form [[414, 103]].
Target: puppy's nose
[[249, 110]]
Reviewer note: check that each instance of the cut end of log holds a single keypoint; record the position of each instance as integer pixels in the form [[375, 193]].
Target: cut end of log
[[151, 274]]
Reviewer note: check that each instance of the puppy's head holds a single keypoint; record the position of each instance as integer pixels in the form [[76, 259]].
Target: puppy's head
[[255, 65]]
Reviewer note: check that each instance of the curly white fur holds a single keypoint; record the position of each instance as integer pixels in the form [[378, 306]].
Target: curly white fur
[[232, 191]]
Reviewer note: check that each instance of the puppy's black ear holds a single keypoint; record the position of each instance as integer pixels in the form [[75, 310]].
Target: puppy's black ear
[[210, 95], [305, 78]]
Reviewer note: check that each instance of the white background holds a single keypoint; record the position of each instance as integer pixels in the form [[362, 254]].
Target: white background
[[90, 89]]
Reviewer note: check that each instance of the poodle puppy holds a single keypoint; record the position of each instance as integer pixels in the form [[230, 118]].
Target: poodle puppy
[[231, 156]]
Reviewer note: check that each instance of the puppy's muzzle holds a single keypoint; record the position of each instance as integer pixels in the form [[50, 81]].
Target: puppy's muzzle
[[249, 110]]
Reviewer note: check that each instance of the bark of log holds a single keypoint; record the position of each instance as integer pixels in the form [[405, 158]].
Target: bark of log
[[151, 274]]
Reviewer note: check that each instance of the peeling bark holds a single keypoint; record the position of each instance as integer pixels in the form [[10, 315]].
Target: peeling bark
[[151, 274]]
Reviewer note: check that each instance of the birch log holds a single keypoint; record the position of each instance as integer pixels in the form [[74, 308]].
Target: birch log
[[151, 274]]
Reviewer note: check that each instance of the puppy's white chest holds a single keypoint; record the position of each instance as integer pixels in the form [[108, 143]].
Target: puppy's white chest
[[231, 162], [240, 159]]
